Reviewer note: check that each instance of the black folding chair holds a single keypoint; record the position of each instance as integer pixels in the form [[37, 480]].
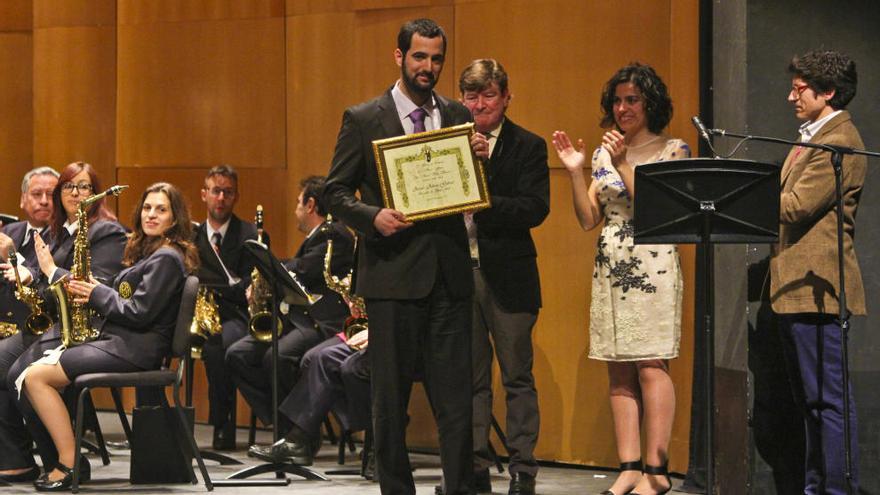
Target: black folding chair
[[158, 378]]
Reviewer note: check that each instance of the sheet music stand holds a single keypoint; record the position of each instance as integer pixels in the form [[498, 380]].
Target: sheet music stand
[[279, 279], [707, 201]]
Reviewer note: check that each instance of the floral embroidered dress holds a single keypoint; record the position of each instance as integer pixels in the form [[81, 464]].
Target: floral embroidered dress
[[635, 312]]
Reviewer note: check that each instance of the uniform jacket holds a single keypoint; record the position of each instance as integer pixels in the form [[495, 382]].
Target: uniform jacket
[[803, 265], [404, 265], [11, 309], [330, 311], [138, 328], [519, 187], [231, 300]]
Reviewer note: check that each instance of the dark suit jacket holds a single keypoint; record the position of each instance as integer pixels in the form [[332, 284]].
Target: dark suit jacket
[[519, 186], [231, 300], [330, 311], [404, 265], [803, 266], [11, 309]]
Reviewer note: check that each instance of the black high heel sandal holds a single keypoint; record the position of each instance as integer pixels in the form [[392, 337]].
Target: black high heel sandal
[[657, 471], [626, 466]]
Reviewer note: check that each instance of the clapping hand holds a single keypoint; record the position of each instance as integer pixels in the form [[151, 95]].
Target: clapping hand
[[613, 142], [572, 158]]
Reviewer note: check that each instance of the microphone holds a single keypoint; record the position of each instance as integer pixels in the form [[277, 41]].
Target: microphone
[[704, 133]]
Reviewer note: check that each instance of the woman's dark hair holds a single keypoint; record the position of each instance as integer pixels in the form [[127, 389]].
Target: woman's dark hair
[[825, 71], [179, 235], [97, 211], [658, 104]]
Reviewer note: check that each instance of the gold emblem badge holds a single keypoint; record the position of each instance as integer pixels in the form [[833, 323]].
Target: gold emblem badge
[[125, 290]]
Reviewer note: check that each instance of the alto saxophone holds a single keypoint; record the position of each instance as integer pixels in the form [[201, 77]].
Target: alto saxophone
[[38, 321], [206, 321], [75, 317], [260, 324], [353, 324]]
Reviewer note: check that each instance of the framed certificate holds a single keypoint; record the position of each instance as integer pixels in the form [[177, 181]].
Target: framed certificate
[[431, 174]]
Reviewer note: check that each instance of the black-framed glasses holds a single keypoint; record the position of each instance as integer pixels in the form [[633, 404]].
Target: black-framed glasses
[[83, 187]]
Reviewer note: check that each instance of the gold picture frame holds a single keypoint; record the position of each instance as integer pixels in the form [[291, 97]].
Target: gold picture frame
[[431, 174]]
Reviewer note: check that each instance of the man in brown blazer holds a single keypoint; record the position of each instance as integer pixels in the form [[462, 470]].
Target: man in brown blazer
[[804, 286]]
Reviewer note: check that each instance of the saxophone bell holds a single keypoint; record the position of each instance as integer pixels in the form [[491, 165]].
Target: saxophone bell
[[37, 322]]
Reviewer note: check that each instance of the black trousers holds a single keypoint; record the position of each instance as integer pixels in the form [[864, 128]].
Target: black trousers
[[15, 443], [430, 337], [250, 363], [221, 386], [333, 377]]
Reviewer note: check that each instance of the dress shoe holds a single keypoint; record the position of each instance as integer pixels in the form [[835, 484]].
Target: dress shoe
[[658, 471], [224, 437], [482, 483], [284, 450], [123, 445], [29, 475], [44, 484], [521, 484]]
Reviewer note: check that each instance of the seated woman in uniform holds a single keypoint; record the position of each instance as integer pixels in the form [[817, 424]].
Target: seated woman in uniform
[[140, 309], [107, 240]]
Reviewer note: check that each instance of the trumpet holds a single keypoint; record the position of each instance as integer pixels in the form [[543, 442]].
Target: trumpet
[[38, 321], [260, 323]]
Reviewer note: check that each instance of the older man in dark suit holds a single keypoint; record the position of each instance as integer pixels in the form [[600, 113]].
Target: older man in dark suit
[[415, 277], [804, 284], [227, 270], [16, 462], [507, 291]]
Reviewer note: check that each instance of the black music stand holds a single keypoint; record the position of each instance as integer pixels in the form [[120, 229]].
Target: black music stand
[[279, 279], [707, 201]]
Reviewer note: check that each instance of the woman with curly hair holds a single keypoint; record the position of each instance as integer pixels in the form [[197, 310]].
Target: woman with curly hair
[[140, 310], [635, 312]]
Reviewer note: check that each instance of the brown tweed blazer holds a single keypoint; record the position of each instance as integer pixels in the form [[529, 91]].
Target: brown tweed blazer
[[803, 266]]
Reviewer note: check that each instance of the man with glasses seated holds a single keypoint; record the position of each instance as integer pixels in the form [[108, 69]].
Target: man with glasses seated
[[17, 463], [227, 270]]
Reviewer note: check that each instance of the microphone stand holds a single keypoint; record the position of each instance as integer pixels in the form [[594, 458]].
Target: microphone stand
[[837, 153]]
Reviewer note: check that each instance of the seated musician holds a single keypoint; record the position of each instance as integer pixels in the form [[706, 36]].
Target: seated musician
[[16, 462], [106, 239], [139, 309], [226, 270], [250, 360], [334, 375]]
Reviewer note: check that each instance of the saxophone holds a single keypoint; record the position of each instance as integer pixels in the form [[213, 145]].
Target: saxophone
[[260, 324], [353, 324], [206, 321], [38, 321], [75, 317]]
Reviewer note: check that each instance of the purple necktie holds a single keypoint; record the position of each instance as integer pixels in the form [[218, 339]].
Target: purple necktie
[[418, 119]]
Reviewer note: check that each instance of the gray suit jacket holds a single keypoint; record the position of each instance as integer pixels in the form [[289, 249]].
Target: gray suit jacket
[[803, 265], [404, 265]]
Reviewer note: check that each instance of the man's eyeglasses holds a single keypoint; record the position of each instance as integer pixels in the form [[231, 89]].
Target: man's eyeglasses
[[798, 89], [83, 187], [217, 191]]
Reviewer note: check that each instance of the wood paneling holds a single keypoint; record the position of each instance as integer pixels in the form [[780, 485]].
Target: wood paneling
[[68, 13], [196, 93], [148, 11], [16, 127], [16, 15], [75, 97]]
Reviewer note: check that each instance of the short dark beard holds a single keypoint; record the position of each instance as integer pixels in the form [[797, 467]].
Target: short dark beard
[[411, 86]]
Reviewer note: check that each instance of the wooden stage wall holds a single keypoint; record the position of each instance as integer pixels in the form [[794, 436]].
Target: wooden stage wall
[[151, 90]]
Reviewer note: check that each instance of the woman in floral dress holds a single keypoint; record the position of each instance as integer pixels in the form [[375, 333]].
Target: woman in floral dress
[[635, 312]]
